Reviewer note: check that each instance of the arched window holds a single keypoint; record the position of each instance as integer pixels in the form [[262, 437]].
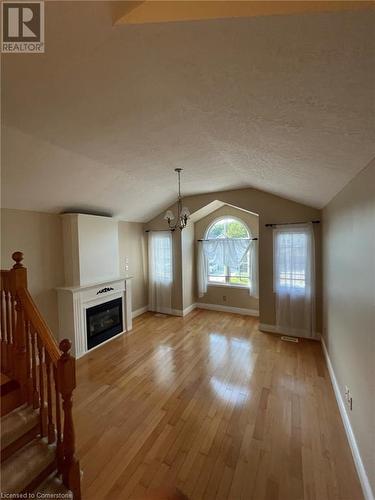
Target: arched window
[[228, 228]]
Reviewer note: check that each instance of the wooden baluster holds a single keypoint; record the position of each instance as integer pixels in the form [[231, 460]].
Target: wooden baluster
[[42, 408], [12, 304], [10, 353], [12, 320], [67, 383], [51, 425], [18, 280], [4, 337], [36, 401], [19, 335], [59, 445], [29, 361]]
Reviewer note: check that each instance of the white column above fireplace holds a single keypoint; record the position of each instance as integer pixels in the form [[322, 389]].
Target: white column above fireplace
[[91, 249], [74, 301]]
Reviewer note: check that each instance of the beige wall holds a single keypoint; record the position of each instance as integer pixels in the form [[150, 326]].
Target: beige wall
[[349, 303], [133, 245], [271, 209], [39, 237], [228, 296]]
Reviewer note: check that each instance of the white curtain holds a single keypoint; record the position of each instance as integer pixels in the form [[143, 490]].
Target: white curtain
[[160, 271], [226, 252], [202, 270], [254, 276], [294, 279]]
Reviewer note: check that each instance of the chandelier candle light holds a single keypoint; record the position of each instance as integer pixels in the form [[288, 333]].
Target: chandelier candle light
[[183, 213]]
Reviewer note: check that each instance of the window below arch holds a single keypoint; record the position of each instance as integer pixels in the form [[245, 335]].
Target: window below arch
[[218, 273]]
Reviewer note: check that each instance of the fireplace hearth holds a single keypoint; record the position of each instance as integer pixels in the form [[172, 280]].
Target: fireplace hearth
[[103, 321]]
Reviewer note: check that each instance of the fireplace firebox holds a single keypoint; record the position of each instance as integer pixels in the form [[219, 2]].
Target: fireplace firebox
[[103, 322]]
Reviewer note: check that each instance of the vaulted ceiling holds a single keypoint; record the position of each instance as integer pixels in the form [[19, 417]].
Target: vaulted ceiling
[[280, 103]]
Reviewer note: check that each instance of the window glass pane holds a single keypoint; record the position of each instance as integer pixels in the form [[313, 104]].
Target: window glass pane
[[239, 280], [292, 260], [217, 230], [240, 275], [162, 247], [235, 229], [216, 272]]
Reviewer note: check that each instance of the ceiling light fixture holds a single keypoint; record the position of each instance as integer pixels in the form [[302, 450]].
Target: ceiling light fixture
[[183, 213]]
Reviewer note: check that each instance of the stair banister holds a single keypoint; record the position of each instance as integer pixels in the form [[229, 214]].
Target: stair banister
[[31, 355]]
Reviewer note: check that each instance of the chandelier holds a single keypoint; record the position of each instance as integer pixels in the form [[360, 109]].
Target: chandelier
[[182, 212]]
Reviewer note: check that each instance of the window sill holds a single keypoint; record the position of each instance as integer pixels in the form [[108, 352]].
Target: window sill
[[225, 285]]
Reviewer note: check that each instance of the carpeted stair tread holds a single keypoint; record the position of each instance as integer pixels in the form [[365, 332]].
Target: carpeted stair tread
[[19, 470], [53, 485], [17, 423]]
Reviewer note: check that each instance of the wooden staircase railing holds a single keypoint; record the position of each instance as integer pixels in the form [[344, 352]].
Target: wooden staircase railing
[[44, 369]]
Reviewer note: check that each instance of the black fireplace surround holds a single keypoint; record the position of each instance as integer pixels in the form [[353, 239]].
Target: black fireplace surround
[[103, 322]]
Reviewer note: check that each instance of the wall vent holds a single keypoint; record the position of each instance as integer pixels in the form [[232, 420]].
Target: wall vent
[[289, 339]]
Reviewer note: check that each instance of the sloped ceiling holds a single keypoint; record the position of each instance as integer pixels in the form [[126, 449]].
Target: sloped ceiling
[[280, 103]]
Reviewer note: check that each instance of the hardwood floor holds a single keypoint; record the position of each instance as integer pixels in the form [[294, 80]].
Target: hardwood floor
[[211, 405]]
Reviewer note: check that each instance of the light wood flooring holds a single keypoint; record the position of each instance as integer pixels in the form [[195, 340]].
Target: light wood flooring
[[211, 405]]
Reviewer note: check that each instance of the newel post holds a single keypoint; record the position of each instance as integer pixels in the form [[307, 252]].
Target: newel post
[[18, 280], [67, 382]]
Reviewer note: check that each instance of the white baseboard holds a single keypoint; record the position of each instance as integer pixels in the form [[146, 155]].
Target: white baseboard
[[361, 471], [188, 310], [167, 310], [268, 328], [175, 312], [139, 311], [199, 305], [235, 310]]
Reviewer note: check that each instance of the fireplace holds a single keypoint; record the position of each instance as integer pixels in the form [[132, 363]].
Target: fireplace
[[103, 322]]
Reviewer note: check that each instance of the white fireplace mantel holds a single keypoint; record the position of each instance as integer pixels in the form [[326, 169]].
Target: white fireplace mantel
[[73, 302]]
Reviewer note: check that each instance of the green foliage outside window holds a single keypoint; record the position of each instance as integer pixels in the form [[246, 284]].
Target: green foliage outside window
[[228, 228]]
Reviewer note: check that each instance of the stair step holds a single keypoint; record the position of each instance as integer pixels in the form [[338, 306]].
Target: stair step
[[11, 400], [27, 467], [7, 384], [17, 423], [53, 485]]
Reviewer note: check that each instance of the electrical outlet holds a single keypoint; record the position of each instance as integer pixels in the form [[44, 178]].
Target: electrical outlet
[[224, 298], [350, 403], [348, 398]]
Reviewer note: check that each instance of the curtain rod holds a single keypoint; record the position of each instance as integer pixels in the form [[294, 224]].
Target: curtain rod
[[291, 223], [213, 239], [157, 230]]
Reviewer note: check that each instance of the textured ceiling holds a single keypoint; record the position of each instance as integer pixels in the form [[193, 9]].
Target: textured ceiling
[[280, 103]]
